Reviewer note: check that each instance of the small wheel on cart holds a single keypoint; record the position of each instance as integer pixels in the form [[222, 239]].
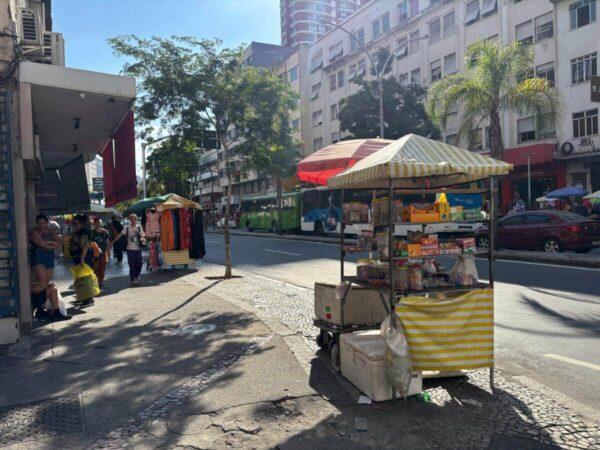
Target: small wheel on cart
[[323, 339], [334, 350]]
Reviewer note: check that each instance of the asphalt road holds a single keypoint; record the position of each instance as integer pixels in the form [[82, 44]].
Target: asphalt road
[[547, 317]]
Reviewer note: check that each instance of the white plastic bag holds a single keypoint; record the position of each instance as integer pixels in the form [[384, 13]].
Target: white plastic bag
[[61, 305], [397, 356], [464, 272], [341, 290]]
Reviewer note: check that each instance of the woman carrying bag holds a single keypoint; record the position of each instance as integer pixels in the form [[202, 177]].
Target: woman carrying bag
[[136, 239]]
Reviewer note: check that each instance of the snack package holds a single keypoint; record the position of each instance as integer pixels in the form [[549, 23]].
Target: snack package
[[429, 239], [415, 278], [414, 250], [449, 248], [430, 249], [467, 245]]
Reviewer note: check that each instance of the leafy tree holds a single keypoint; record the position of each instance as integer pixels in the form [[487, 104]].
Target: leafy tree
[[494, 83], [170, 166], [268, 144], [189, 85], [403, 106]]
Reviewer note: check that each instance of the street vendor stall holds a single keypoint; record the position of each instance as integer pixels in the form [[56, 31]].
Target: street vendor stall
[[446, 316]]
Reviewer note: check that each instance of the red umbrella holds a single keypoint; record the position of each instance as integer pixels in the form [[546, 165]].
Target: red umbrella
[[333, 159]]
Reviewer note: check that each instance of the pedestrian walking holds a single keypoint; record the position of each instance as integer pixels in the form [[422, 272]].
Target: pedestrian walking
[[79, 248], [136, 239], [119, 240], [102, 239]]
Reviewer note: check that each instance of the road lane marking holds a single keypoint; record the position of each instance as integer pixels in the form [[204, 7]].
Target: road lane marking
[[533, 263], [283, 253], [212, 242], [576, 362]]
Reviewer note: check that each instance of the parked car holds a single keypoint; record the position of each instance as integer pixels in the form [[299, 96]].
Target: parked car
[[549, 231]]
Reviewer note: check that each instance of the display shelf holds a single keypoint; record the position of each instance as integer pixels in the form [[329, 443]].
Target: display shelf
[[399, 293], [403, 258]]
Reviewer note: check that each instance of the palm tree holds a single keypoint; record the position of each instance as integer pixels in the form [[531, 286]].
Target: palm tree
[[497, 80]]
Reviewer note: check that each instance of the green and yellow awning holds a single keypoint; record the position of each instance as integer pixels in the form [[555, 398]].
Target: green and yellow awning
[[418, 162]]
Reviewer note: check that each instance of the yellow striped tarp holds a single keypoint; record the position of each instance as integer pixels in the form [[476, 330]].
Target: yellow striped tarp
[[412, 159], [454, 334]]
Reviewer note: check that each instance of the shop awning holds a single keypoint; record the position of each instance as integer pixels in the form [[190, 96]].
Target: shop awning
[[418, 162], [176, 202], [139, 207], [63, 190]]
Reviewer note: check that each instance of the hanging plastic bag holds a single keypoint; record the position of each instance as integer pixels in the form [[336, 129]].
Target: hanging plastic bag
[[397, 355], [81, 271], [61, 305], [464, 272]]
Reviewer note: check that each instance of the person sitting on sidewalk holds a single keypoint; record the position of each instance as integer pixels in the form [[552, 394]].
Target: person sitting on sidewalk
[[40, 293], [102, 239]]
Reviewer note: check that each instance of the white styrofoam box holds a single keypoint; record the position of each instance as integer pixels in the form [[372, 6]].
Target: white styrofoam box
[[362, 358], [363, 306]]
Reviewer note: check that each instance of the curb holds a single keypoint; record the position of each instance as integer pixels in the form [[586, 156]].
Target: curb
[[564, 259]]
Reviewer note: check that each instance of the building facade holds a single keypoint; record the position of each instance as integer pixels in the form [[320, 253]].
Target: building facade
[[304, 21], [54, 119], [430, 38]]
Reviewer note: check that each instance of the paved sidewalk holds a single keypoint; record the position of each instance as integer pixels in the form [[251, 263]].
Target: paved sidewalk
[[145, 368]]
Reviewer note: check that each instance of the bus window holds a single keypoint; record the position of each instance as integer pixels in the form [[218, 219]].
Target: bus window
[[310, 200]]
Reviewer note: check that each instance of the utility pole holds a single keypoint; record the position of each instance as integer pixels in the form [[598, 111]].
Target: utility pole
[[529, 155], [379, 71]]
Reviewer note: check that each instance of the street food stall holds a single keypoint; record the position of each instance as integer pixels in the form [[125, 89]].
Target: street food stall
[[445, 314]]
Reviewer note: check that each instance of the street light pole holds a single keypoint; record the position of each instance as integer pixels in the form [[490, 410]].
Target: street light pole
[[379, 71], [529, 155]]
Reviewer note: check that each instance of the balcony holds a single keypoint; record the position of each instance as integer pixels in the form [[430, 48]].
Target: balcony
[[208, 158]]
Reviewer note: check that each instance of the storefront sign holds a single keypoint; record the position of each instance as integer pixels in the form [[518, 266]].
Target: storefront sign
[[98, 184], [595, 88]]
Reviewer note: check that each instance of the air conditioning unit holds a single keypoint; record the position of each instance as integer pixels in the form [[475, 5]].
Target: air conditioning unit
[[30, 32], [54, 48]]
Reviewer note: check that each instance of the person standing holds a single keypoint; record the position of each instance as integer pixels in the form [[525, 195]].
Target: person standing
[[136, 239], [79, 248], [44, 241], [119, 240], [102, 239]]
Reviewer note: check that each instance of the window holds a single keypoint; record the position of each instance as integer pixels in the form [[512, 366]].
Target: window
[[449, 22], [332, 82], [315, 91], [534, 219], [335, 137], [526, 129], [582, 13], [488, 137], [544, 27], [488, 7], [403, 79], [450, 64], [585, 123], [335, 51], [546, 71], [471, 12], [316, 61], [435, 31], [414, 42], [475, 140], [583, 68], [351, 71], [414, 8], [361, 68], [513, 220], [579, 179], [415, 75], [546, 126], [385, 22], [317, 118], [334, 111], [376, 28], [436, 70], [402, 47], [293, 74], [317, 143], [358, 39], [524, 32], [295, 124], [403, 11], [451, 139], [341, 78]]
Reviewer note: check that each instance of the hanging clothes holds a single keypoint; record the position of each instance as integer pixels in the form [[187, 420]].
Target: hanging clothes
[[177, 239], [198, 249], [185, 228], [167, 231], [154, 259], [152, 227]]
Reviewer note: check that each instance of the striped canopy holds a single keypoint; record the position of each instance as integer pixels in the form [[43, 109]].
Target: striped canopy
[[418, 162]]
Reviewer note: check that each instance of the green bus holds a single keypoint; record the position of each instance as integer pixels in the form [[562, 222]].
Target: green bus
[[260, 213]]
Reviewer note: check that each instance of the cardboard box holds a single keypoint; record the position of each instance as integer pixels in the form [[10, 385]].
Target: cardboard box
[[363, 306], [414, 249], [362, 357], [430, 250]]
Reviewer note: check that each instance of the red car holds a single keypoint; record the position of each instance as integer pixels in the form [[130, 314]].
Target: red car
[[549, 231]]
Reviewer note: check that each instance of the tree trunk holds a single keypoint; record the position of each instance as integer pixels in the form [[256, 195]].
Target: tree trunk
[[226, 234], [279, 188], [497, 152]]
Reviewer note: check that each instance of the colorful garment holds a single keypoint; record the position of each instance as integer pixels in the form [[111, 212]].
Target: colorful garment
[[185, 228], [152, 224], [166, 231], [177, 240]]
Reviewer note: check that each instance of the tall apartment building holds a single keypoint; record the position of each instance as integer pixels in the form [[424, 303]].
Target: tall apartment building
[[430, 38], [53, 119], [303, 21]]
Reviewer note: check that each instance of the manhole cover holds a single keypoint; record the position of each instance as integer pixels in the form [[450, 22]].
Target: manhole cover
[[39, 420], [194, 330]]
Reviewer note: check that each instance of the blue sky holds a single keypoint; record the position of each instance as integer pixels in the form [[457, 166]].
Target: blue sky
[[87, 24]]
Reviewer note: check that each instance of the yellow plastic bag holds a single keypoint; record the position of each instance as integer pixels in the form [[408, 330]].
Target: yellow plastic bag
[[86, 287], [81, 271]]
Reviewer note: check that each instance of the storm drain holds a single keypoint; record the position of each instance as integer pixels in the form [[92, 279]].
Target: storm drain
[[40, 420]]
